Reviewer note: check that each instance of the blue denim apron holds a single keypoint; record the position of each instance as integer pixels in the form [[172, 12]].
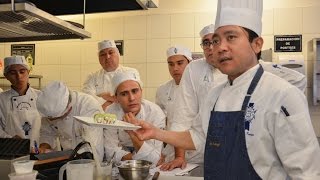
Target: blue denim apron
[[226, 155]]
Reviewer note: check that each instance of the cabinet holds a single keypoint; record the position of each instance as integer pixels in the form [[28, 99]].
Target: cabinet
[[314, 55]]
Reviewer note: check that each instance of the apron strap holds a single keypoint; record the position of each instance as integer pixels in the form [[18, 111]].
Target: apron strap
[[252, 87]]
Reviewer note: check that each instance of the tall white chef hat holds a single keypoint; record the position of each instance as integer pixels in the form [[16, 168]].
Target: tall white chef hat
[[106, 44], [245, 13], [179, 50], [53, 99], [12, 60], [123, 76], [207, 30]]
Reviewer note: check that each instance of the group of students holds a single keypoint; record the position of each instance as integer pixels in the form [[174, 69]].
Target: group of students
[[241, 117]]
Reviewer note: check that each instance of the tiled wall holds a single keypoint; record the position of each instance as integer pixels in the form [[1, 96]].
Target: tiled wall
[[147, 35]]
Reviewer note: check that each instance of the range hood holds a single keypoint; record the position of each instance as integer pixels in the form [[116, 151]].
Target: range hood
[[25, 22]]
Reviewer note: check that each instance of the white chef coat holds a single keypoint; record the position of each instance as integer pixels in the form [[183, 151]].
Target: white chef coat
[[278, 145], [165, 98], [115, 140], [19, 115], [100, 81], [199, 77], [71, 132]]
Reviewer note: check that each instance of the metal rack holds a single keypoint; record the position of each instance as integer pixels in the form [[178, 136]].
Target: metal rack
[[314, 55]]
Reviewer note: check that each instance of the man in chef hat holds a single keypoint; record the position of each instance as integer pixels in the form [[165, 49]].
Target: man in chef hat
[[178, 57], [127, 88], [58, 106], [98, 84], [19, 117], [252, 131]]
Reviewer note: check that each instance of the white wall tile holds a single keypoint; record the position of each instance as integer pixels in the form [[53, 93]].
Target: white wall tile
[[157, 73], [202, 20], [51, 54], [186, 42], [267, 22], [150, 94], [156, 50], [288, 21], [71, 75], [135, 27], [182, 25], [197, 46], [311, 19], [135, 51], [268, 42], [94, 26], [158, 26], [50, 73], [71, 54], [113, 28], [89, 53]]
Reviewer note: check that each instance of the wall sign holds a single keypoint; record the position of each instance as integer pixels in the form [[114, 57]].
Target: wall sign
[[288, 43], [119, 44], [26, 50]]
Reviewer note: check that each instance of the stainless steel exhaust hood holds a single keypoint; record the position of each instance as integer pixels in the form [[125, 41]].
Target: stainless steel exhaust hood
[[28, 23]]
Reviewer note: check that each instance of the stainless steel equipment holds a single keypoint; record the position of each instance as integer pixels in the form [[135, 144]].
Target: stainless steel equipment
[[134, 169], [25, 22]]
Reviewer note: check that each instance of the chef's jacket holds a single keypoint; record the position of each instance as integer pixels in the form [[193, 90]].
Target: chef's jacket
[[19, 115], [100, 82], [71, 132], [165, 98], [199, 77], [118, 140], [280, 138]]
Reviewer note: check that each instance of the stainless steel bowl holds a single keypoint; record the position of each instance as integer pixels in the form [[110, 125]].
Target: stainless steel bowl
[[134, 169]]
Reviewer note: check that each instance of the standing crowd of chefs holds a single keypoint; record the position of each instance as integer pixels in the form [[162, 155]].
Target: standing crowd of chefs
[[241, 117]]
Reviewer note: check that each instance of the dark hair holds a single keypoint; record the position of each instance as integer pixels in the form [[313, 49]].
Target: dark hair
[[252, 36]]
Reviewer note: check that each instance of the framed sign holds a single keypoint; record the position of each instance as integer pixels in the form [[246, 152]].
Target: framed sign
[[119, 44], [26, 50], [288, 43]]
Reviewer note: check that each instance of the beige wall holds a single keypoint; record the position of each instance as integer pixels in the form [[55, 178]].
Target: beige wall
[[147, 34]]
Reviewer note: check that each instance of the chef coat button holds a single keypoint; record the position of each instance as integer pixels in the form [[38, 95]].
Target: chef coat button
[[31, 99], [14, 99]]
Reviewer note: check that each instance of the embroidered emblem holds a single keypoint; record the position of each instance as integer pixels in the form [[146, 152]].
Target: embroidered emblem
[[26, 128], [249, 117], [206, 79], [175, 50], [23, 106]]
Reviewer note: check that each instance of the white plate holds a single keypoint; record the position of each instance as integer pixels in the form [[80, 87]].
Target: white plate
[[117, 125]]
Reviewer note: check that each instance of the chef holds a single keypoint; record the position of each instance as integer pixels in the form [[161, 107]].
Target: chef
[[257, 125], [127, 88], [19, 117], [58, 104], [98, 84], [200, 76], [178, 57]]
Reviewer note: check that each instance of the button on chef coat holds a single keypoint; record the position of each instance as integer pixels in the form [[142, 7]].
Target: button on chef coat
[[279, 145], [115, 140], [70, 131], [100, 81], [19, 115]]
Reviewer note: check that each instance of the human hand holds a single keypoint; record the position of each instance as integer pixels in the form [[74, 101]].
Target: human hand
[[178, 162], [147, 130], [44, 148], [16, 137], [106, 104], [107, 96], [161, 160]]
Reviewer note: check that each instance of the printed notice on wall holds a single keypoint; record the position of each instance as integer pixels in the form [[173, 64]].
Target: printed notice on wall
[[288, 43], [26, 50]]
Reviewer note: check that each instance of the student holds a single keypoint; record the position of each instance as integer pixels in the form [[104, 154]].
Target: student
[[127, 88], [98, 84], [178, 57], [58, 106], [255, 125], [19, 117]]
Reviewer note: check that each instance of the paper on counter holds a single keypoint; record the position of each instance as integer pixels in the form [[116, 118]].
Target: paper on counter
[[176, 171]]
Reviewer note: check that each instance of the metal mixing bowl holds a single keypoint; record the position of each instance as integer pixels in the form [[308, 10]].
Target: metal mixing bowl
[[134, 169]]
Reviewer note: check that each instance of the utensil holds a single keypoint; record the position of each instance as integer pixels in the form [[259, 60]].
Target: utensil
[[134, 169], [156, 175]]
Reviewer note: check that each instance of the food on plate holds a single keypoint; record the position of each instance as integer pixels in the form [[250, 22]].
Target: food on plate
[[105, 118]]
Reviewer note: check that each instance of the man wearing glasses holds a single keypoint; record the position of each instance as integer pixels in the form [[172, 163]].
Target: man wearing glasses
[[58, 105], [199, 77]]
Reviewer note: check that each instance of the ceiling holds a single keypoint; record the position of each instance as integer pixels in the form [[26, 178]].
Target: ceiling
[[70, 7]]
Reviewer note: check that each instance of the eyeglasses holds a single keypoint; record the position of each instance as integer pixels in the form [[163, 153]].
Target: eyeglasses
[[206, 44]]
